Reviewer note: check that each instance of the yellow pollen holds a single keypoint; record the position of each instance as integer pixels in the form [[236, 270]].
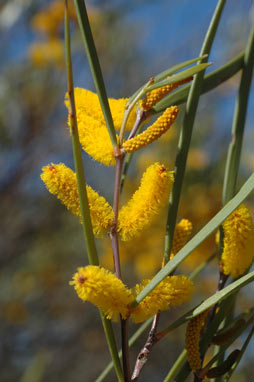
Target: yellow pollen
[[153, 132]]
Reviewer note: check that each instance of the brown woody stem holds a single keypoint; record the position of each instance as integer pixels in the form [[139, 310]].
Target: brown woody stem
[[145, 351]]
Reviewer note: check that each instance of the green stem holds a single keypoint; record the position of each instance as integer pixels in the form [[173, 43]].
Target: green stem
[[126, 165], [95, 66], [132, 340], [175, 368], [140, 120], [210, 82], [84, 205], [235, 147], [186, 133], [109, 333]]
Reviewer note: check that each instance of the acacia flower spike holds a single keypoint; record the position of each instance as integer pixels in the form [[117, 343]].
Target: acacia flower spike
[[60, 180], [153, 132], [103, 289], [146, 202], [156, 95], [238, 242], [181, 235], [192, 338], [172, 291], [130, 106], [93, 133]]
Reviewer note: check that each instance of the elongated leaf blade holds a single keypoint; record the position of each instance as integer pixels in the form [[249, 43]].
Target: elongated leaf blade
[[169, 72], [179, 76], [246, 343], [211, 81], [198, 238], [212, 300], [175, 68]]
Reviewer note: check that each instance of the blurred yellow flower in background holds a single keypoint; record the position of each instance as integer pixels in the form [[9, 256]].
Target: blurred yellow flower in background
[[50, 52]]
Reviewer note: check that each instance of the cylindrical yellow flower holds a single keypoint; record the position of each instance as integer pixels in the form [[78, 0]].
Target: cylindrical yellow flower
[[153, 132], [192, 338], [93, 133], [50, 18], [238, 242], [181, 235], [103, 289], [146, 202], [157, 94], [49, 52], [172, 291], [61, 181]]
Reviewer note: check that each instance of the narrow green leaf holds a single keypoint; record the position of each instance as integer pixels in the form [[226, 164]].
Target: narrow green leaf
[[84, 205], [225, 366], [183, 374], [205, 342], [179, 76], [235, 147], [198, 238], [175, 68], [210, 82], [244, 347], [214, 299], [186, 133], [235, 336], [175, 368], [110, 337], [167, 73], [94, 63]]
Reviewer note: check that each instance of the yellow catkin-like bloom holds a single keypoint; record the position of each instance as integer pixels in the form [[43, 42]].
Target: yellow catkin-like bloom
[[61, 181], [181, 235], [153, 132], [192, 338], [49, 52], [93, 133], [146, 202], [50, 18], [238, 242], [157, 94], [103, 289], [172, 291]]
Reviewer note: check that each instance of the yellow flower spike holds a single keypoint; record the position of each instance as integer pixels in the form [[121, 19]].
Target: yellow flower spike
[[146, 202], [153, 132], [157, 94], [192, 338], [61, 181], [93, 133], [46, 53], [172, 291], [103, 289], [181, 235], [50, 18], [238, 242]]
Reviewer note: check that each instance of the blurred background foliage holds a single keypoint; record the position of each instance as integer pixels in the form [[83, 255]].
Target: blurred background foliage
[[47, 334]]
